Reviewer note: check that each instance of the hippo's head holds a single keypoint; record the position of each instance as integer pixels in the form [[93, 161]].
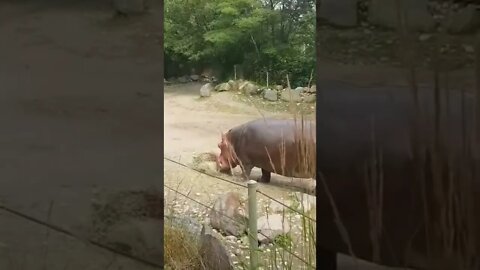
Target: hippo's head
[[226, 160]]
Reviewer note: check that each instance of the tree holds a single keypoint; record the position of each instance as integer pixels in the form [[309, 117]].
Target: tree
[[262, 35]]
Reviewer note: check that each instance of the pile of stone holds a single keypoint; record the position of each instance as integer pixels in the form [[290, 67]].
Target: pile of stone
[[277, 93], [230, 216], [189, 78]]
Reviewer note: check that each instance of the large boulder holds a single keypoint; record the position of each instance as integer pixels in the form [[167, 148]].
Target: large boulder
[[290, 95], [310, 98], [206, 90], [384, 13], [463, 21], [234, 85], [248, 88], [195, 77], [213, 252], [312, 89], [183, 79], [223, 87], [300, 90], [229, 214], [270, 95], [271, 226], [339, 12]]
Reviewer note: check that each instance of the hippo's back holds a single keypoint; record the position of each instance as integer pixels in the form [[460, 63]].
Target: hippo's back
[[274, 131]]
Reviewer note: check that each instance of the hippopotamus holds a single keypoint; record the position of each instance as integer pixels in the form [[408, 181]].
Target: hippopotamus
[[349, 123], [273, 145]]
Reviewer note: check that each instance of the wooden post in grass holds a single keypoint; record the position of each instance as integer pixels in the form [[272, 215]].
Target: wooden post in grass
[[267, 79], [252, 223]]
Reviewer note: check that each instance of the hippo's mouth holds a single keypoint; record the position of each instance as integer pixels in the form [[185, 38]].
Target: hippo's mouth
[[224, 166], [226, 160]]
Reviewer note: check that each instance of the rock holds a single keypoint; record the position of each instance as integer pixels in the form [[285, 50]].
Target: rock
[[248, 88], [312, 89], [384, 13], [469, 49], [183, 79], [206, 90], [213, 252], [290, 95], [130, 7], [227, 207], [194, 77], [234, 85], [339, 12], [270, 95], [278, 87], [424, 37], [231, 238], [271, 226], [464, 21], [188, 224], [139, 237], [310, 98], [300, 90], [223, 87]]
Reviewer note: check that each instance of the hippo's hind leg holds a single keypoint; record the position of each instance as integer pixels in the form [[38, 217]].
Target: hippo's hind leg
[[266, 175]]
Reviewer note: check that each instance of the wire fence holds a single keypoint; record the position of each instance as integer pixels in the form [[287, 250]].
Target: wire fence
[[291, 253], [243, 186]]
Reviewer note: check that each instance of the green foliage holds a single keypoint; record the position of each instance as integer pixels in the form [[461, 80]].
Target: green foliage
[[284, 241], [274, 36]]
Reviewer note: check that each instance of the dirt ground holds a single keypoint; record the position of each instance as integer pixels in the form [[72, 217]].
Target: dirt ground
[[80, 113]]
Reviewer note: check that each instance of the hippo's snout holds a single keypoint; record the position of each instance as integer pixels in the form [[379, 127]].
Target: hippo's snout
[[223, 165]]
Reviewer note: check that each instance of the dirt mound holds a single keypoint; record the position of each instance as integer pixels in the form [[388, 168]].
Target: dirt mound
[[206, 162]]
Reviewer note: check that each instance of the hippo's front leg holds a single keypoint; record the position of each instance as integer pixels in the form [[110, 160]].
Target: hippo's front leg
[[266, 175], [246, 171]]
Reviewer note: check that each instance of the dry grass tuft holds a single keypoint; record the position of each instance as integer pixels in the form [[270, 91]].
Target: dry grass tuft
[[181, 249]]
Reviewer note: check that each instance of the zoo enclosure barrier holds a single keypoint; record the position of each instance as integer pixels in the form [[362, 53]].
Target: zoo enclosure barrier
[[252, 187]]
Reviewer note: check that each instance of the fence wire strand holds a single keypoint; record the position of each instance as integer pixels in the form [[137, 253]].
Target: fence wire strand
[[244, 186], [61, 230], [237, 222]]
